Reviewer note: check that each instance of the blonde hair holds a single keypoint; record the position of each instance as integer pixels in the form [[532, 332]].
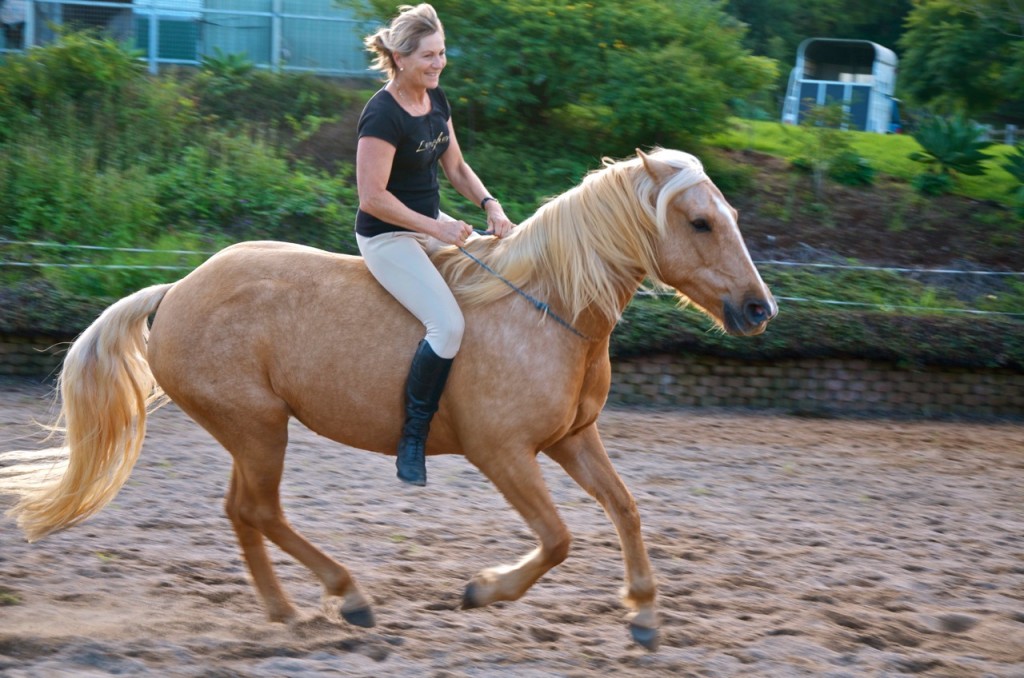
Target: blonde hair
[[402, 36]]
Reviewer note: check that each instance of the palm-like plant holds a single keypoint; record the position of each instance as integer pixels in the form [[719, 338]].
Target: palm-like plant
[[951, 146]]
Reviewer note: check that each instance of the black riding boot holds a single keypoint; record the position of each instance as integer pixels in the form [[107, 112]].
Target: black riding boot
[[427, 378]]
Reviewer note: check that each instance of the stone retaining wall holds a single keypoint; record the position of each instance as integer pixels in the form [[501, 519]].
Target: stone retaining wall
[[31, 356], [827, 386], [817, 385]]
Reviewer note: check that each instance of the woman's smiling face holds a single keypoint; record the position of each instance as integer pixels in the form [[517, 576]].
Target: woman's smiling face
[[423, 67]]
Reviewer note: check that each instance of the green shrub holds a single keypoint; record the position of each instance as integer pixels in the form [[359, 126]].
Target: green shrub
[[643, 72], [823, 144], [54, 189], [950, 146], [229, 89], [932, 184], [850, 169], [238, 186], [84, 85]]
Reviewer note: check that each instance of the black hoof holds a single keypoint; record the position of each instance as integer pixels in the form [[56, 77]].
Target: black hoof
[[645, 637], [469, 597], [360, 617], [411, 478]]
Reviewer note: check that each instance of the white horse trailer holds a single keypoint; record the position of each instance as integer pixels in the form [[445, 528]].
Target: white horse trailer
[[858, 74]]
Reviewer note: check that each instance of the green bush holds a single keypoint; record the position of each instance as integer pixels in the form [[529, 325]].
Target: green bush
[[230, 90], [932, 184], [54, 189], [850, 169], [240, 187], [950, 146], [84, 85], [94, 151], [636, 73]]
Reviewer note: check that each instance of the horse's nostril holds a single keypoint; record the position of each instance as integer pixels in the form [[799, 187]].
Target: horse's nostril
[[755, 312]]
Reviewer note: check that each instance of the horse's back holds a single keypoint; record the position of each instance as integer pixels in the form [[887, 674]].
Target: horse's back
[[276, 325], [281, 323], [254, 293]]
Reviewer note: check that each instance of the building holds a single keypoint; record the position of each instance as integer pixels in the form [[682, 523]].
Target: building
[[317, 36]]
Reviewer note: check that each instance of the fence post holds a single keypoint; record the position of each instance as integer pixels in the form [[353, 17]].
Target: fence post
[[275, 36], [154, 41], [29, 38]]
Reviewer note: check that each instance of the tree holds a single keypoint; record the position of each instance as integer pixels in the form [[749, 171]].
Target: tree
[[776, 28], [622, 74], [963, 56]]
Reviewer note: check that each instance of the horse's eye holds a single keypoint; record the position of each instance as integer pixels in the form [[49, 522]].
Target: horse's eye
[[701, 225]]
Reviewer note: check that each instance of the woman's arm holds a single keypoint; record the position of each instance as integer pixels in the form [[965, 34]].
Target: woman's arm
[[467, 183], [374, 158]]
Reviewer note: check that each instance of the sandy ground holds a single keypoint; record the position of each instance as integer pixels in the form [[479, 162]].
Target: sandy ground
[[783, 547]]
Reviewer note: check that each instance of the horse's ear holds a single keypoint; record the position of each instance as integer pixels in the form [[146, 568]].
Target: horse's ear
[[658, 170]]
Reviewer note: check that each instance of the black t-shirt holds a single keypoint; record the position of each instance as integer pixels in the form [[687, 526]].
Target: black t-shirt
[[419, 142]]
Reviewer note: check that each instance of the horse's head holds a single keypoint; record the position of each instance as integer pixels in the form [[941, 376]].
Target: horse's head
[[699, 249]]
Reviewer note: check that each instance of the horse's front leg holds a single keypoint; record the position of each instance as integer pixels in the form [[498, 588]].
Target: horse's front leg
[[584, 458], [517, 475]]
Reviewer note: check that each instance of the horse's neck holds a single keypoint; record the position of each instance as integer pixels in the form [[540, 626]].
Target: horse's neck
[[621, 270], [593, 322]]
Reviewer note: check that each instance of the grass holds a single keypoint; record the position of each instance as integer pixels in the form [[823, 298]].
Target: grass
[[8, 597], [887, 153]]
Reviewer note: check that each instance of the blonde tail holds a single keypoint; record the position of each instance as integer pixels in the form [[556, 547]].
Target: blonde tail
[[107, 389]]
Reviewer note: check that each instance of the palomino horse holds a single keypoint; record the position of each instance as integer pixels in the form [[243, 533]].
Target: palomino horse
[[264, 331]]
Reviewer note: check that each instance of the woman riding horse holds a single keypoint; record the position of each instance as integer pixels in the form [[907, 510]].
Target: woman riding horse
[[405, 130]]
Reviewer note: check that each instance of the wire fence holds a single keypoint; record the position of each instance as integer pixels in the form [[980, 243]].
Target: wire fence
[[49, 246]]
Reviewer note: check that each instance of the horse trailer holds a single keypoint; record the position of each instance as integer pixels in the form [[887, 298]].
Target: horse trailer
[[858, 74]]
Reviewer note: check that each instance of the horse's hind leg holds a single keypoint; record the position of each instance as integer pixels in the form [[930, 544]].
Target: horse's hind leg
[[518, 477], [584, 458], [254, 550], [254, 507]]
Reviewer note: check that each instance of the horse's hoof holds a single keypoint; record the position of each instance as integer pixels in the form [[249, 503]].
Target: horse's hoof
[[469, 599], [362, 616], [646, 637]]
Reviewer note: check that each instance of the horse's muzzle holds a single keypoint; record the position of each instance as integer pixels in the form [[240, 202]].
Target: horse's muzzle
[[749, 318]]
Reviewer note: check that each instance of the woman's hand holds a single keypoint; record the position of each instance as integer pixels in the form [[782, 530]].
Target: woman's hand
[[498, 224], [453, 232]]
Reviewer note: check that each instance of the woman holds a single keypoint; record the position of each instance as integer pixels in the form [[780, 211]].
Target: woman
[[405, 131]]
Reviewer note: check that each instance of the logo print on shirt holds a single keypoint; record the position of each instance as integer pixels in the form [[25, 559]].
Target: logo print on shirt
[[442, 138]]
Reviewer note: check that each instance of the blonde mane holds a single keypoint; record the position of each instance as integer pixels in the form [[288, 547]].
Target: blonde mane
[[582, 248]]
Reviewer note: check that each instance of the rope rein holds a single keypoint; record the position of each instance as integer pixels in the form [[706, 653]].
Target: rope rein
[[541, 306]]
